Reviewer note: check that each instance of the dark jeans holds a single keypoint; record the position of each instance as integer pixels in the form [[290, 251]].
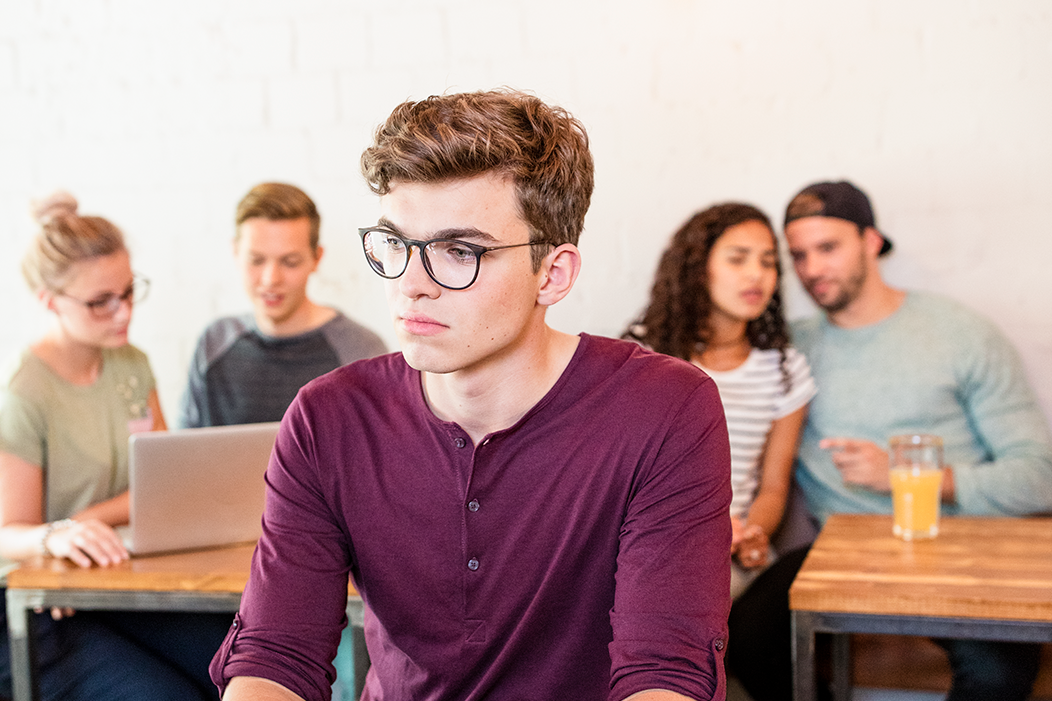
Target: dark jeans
[[117, 656], [759, 653]]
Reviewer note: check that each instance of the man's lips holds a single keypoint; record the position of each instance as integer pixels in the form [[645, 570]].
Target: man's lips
[[420, 324], [818, 288], [271, 299]]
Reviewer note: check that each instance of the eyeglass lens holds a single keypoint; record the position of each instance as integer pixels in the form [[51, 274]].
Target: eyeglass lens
[[111, 303], [450, 262]]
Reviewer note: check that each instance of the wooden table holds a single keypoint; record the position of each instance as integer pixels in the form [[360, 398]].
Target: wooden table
[[203, 580], [981, 578]]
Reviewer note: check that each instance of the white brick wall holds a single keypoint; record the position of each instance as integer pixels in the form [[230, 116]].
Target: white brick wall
[[161, 115]]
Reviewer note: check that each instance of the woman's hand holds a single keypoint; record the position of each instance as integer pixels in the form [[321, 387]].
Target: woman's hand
[[87, 542], [57, 612], [752, 548]]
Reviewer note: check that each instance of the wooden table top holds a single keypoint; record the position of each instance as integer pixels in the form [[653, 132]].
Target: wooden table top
[[212, 570], [989, 568]]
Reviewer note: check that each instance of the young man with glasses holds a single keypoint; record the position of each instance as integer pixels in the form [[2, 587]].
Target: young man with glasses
[[526, 513], [248, 368]]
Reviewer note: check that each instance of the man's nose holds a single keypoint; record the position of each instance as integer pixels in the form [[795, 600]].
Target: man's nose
[[271, 273], [415, 280]]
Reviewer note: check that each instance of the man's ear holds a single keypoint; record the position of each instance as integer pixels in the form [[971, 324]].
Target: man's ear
[[874, 241], [559, 271]]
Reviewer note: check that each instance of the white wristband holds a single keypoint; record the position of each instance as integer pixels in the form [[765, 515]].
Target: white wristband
[[51, 528]]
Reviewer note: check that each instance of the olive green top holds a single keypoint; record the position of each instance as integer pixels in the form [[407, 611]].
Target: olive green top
[[77, 434]]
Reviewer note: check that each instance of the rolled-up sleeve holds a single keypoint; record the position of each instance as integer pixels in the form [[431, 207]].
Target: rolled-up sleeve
[[673, 569], [293, 608]]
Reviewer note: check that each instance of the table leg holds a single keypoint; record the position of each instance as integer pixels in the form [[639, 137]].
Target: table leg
[[19, 633], [842, 666], [803, 649]]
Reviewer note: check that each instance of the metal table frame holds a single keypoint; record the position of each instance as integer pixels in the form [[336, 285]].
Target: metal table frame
[[805, 624], [21, 602]]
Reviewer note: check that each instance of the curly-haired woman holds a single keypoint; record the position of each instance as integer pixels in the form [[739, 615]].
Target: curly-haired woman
[[716, 303]]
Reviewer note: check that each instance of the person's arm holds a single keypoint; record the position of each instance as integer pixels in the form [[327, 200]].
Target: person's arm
[[21, 508], [861, 462], [777, 471], [672, 593], [113, 512], [302, 556], [85, 540], [193, 406], [776, 475], [257, 689], [1001, 409], [154, 403], [656, 695], [865, 464], [1003, 418]]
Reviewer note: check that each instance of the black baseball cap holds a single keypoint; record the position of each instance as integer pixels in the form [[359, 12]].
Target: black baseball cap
[[841, 200]]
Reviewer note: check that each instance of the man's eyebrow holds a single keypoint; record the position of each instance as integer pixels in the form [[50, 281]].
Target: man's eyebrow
[[469, 233]]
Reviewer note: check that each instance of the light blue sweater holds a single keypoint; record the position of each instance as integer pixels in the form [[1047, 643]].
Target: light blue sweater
[[931, 367]]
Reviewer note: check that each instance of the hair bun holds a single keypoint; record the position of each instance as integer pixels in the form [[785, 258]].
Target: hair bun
[[58, 204]]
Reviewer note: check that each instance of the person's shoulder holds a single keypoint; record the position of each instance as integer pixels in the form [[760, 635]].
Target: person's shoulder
[[350, 339], [795, 358], [227, 326], [381, 373], [936, 305], [19, 369], [127, 353], [636, 367], [949, 314], [219, 335], [805, 331]]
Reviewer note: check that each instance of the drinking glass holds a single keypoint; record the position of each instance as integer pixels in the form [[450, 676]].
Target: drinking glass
[[916, 483]]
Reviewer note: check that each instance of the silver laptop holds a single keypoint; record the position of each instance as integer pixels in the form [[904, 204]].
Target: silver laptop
[[196, 488]]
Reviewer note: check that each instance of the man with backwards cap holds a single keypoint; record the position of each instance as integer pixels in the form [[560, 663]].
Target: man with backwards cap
[[886, 362]]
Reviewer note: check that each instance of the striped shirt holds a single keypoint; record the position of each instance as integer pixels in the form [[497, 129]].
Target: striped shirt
[[754, 396]]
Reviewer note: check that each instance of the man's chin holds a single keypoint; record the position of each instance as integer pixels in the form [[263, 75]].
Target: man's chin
[[425, 359], [833, 306]]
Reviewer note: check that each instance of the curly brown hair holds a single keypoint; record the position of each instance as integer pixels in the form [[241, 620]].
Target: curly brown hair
[[676, 321], [541, 148]]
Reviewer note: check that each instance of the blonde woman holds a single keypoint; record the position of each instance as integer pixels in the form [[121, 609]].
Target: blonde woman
[[68, 403]]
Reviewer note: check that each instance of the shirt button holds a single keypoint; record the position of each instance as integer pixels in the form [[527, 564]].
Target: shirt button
[[719, 644], [473, 564], [460, 442], [473, 505]]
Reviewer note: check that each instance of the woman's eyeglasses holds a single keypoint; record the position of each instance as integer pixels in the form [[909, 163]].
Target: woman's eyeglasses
[[105, 306]]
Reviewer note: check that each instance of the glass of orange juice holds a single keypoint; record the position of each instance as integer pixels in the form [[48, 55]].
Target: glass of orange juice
[[916, 482]]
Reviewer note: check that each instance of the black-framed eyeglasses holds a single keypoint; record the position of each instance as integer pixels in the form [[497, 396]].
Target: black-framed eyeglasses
[[105, 306], [451, 263]]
